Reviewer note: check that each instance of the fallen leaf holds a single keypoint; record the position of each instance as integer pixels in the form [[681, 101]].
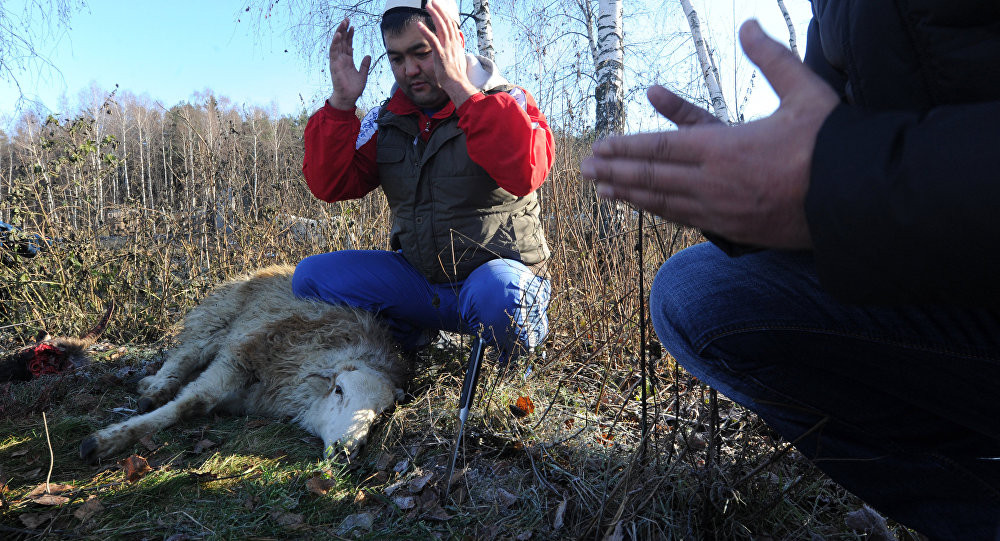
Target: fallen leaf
[[89, 508], [148, 443], [360, 498], [697, 441], [34, 520], [383, 461], [135, 468], [524, 536], [504, 498], [429, 498], [359, 521], [50, 488], [203, 445], [568, 423], [51, 499], [22, 452], [436, 512], [393, 487], [418, 484], [33, 473], [401, 466], [317, 484], [557, 522], [523, 407], [288, 520], [404, 502]]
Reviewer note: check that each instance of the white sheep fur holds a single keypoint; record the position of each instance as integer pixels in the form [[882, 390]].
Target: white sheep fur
[[260, 350]]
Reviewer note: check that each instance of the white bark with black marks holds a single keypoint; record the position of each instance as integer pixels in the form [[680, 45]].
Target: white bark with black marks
[[719, 107], [484, 27], [610, 67]]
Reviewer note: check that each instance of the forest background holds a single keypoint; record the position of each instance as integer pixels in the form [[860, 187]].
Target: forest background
[[152, 195]]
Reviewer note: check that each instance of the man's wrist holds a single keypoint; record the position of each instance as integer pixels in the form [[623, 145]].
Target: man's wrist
[[460, 92], [338, 102]]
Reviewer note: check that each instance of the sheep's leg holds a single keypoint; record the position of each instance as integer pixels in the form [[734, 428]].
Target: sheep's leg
[[181, 362], [196, 398]]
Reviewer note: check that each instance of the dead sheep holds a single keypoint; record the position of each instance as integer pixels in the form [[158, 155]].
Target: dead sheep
[[253, 348]]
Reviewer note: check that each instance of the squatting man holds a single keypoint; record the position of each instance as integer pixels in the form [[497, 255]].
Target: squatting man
[[459, 152]]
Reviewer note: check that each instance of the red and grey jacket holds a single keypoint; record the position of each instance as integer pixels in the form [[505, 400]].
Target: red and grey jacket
[[461, 183]]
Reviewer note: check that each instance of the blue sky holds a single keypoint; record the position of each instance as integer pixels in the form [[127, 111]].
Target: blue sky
[[170, 50]]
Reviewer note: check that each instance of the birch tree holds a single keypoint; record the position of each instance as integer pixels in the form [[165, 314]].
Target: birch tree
[[708, 68], [792, 42], [609, 61], [484, 27]]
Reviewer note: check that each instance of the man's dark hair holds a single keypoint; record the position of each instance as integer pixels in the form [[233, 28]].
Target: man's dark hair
[[395, 21]]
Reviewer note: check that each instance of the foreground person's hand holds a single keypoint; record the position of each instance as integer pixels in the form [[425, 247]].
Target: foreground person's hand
[[746, 183]]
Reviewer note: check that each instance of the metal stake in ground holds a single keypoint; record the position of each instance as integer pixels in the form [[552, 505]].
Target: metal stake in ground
[[465, 403]]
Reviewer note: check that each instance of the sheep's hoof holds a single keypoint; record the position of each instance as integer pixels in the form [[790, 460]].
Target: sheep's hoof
[[145, 405], [88, 450]]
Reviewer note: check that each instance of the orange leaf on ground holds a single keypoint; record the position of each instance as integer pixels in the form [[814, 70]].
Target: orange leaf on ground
[[522, 407], [135, 468]]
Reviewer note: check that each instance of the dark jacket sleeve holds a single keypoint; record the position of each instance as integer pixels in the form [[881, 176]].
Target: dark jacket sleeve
[[904, 207]]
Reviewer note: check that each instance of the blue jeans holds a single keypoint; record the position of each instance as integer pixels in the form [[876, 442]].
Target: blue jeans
[[905, 397], [503, 300]]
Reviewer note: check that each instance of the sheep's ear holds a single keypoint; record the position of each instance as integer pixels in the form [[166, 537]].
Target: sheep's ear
[[326, 377]]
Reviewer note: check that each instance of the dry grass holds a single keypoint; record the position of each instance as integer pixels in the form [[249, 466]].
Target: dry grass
[[576, 467]]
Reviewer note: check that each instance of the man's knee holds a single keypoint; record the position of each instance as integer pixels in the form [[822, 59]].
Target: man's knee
[[304, 278], [508, 297], [685, 297]]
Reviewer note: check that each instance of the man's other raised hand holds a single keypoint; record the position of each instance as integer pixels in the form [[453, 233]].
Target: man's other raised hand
[[348, 81]]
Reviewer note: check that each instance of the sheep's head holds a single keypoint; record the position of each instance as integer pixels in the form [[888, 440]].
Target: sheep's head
[[352, 401]]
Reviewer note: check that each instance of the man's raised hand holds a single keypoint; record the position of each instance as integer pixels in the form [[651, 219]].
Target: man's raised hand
[[746, 183], [450, 64], [348, 81]]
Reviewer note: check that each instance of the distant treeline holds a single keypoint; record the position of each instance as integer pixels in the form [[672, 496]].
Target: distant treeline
[[202, 159]]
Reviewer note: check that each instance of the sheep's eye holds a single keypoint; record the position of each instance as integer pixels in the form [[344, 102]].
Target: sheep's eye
[[338, 390]]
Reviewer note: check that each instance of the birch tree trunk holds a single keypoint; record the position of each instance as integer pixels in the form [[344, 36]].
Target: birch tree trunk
[[124, 153], [610, 67], [792, 42], [609, 64], [719, 107], [484, 27]]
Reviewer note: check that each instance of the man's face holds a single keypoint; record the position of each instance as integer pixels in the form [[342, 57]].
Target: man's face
[[412, 61]]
